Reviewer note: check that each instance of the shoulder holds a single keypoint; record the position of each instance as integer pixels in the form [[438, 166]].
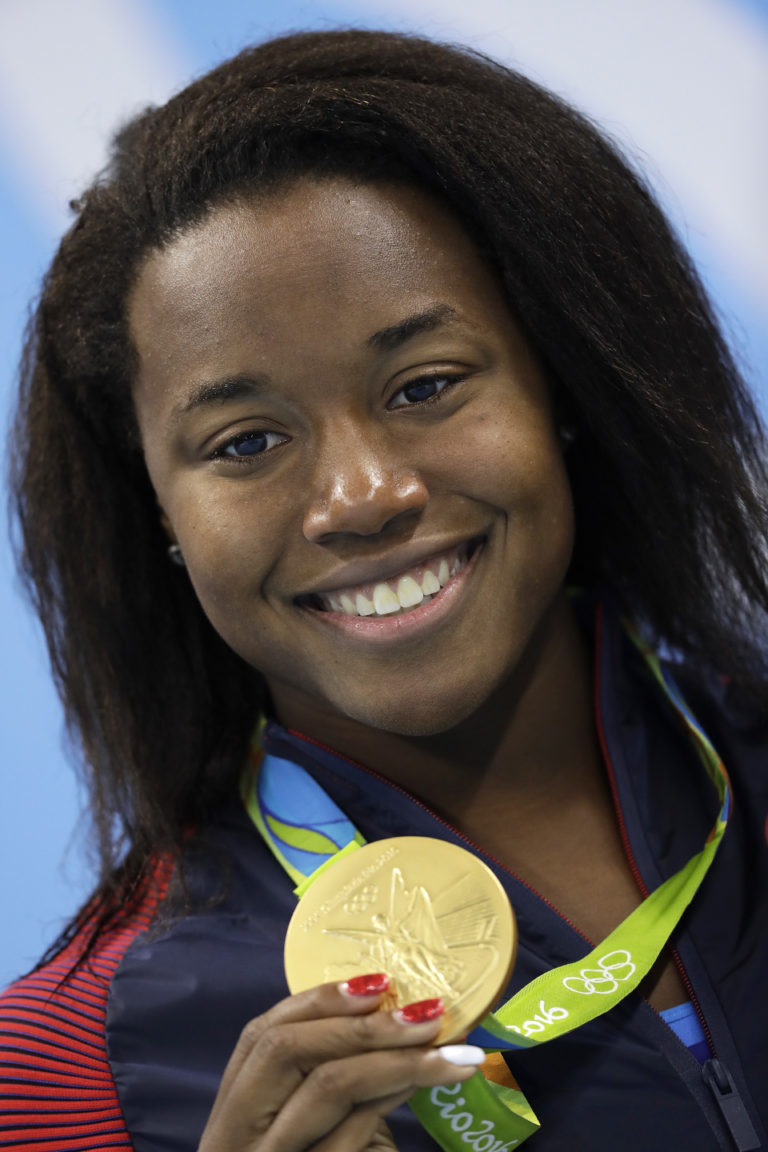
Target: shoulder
[[56, 1085]]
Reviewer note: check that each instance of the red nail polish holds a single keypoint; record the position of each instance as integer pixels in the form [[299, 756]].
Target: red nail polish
[[421, 1011], [371, 985]]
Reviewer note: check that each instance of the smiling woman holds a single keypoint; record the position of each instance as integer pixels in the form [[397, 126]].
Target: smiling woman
[[388, 348], [362, 485]]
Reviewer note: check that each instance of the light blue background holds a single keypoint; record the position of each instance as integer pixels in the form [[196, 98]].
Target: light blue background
[[677, 81]]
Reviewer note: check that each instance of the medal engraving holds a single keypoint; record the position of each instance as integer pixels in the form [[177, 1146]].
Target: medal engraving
[[429, 914]]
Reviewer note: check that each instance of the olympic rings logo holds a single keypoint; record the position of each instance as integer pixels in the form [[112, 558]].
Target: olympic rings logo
[[612, 969]]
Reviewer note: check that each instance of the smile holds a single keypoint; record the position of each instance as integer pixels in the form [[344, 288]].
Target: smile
[[401, 593]]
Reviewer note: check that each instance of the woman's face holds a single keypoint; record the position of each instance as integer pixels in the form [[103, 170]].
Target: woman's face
[[352, 442]]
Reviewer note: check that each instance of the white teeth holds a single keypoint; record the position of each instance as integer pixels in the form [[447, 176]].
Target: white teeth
[[408, 592], [403, 594], [384, 600], [430, 583]]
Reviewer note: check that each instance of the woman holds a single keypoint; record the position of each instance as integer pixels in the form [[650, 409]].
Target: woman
[[361, 353]]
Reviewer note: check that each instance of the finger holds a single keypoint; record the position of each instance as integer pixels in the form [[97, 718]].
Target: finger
[[282, 1057], [368, 1083], [362, 1130], [348, 998]]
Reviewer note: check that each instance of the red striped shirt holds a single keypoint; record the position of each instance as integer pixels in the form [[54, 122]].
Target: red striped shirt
[[57, 1093]]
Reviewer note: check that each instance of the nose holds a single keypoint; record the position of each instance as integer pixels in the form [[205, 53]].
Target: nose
[[359, 487]]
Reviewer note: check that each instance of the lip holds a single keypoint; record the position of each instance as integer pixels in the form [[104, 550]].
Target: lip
[[387, 567], [423, 618]]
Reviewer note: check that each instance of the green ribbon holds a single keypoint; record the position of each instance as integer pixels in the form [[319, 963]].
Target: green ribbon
[[477, 1115]]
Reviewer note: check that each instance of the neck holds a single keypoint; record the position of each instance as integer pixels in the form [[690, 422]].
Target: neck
[[533, 739]]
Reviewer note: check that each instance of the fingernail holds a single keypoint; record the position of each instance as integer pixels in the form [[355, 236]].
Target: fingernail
[[371, 985], [462, 1054], [421, 1012]]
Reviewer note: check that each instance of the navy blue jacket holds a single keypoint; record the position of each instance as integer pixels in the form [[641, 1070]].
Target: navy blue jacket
[[624, 1083]]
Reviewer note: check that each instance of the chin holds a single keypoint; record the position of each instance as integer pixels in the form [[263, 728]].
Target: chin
[[429, 714]]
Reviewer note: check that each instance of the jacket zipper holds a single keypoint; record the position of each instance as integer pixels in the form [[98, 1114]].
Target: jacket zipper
[[720, 1083], [715, 1074]]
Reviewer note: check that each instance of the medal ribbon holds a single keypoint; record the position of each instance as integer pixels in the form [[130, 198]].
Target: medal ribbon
[[306, 831]]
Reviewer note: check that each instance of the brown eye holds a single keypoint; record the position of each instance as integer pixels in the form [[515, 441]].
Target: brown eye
[[420, 390], [423, 389], [248, 444]]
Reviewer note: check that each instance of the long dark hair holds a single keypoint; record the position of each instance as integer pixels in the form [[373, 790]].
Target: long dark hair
[[667, 460]]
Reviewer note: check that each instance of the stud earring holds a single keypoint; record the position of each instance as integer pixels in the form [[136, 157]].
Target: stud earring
[[176, 556]]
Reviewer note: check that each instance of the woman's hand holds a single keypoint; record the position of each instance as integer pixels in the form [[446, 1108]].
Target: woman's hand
[[321, 1069]]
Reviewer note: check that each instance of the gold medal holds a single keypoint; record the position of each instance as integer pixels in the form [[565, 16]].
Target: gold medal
[[428, 913]]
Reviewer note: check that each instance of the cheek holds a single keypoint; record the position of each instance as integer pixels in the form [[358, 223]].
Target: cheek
[[226, 537], [523, 474], [514, 462]]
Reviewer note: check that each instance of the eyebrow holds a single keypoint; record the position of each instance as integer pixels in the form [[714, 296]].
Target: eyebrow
[[213, 392], [387, 339], [209, 393]]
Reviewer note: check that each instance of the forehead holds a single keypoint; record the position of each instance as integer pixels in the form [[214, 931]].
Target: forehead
[[318, 256]]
